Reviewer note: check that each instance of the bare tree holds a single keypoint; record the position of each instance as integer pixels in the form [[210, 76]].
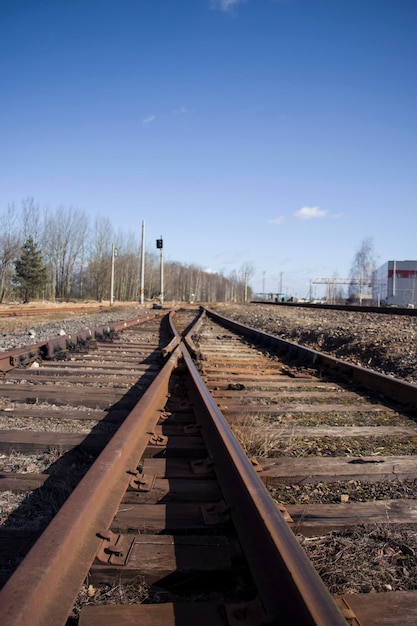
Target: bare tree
[[247, 272], [363, 266], [31, 219], [9, 250], [65, 232], [99, 261], [127, 267]]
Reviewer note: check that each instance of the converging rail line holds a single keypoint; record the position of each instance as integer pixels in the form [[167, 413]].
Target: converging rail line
[[170, 510]]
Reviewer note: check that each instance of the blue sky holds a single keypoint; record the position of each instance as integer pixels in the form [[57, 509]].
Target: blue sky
[[279, 133]]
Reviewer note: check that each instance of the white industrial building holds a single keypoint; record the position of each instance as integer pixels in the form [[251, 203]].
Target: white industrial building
[[395, 283]]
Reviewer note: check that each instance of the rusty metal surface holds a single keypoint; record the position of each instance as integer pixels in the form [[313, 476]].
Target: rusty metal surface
[[290, 589], [168, 349], [55, 568]]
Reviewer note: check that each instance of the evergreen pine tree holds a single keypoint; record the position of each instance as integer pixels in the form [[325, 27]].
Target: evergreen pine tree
[[31, 273]]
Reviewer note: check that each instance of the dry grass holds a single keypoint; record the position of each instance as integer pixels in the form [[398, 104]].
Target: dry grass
[[261, 438], [135, 592], [257, 438], [365, 559], [21, 463], [351, 491]]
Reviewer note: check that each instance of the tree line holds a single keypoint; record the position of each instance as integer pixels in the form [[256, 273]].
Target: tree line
[[63, 254]]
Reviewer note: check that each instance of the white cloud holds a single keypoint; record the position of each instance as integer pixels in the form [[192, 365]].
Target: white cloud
[[309, 212], [182, 110], [277, 220], [149, 119], [224, 5]]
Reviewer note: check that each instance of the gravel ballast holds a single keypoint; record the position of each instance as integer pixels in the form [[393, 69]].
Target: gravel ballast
[[72, 324], [384, 343]]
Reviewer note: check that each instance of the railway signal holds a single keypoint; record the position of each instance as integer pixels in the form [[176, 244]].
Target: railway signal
[[160, 247]]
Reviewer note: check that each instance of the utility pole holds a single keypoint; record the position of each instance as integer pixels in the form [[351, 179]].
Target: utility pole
[[160, 247], [280, 283], [142, 268], [113, 255]]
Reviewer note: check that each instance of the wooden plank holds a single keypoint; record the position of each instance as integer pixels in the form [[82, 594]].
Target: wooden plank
[[303, 470], [43, 374], [19, 483], [171, 428], [57, 394], [166, 559], [232, 406], [280, 384], [288, 470], [314, 519], [176, 490], [245, 365], [289, 431], [255, 377], [173, 468], [187, 446], [112, 415], [87, 361], [327, 392], [167, 614], [35, 442], [173, 417], [63, 414], [155, 519], [384, 609]]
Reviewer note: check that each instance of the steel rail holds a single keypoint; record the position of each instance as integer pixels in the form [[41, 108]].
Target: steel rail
[[175, 341], [52, 347], [348, 308], [290, 589], [42, 590], [390, 387]]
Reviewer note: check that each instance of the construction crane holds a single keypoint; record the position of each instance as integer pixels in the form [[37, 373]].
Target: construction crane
[[331, 282]]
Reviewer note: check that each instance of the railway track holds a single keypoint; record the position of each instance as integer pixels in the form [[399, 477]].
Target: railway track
[[33, 311], [172, 523]]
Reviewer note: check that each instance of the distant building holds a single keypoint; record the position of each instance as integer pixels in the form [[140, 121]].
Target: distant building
[[395, 283]]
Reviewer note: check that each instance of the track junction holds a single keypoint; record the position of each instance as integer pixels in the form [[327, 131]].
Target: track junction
[[169, 501]]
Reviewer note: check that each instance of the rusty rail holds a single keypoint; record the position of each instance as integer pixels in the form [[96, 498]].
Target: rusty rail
[[175, 341], [291, 591], [44, 590], [20, 357], [393, 388]]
